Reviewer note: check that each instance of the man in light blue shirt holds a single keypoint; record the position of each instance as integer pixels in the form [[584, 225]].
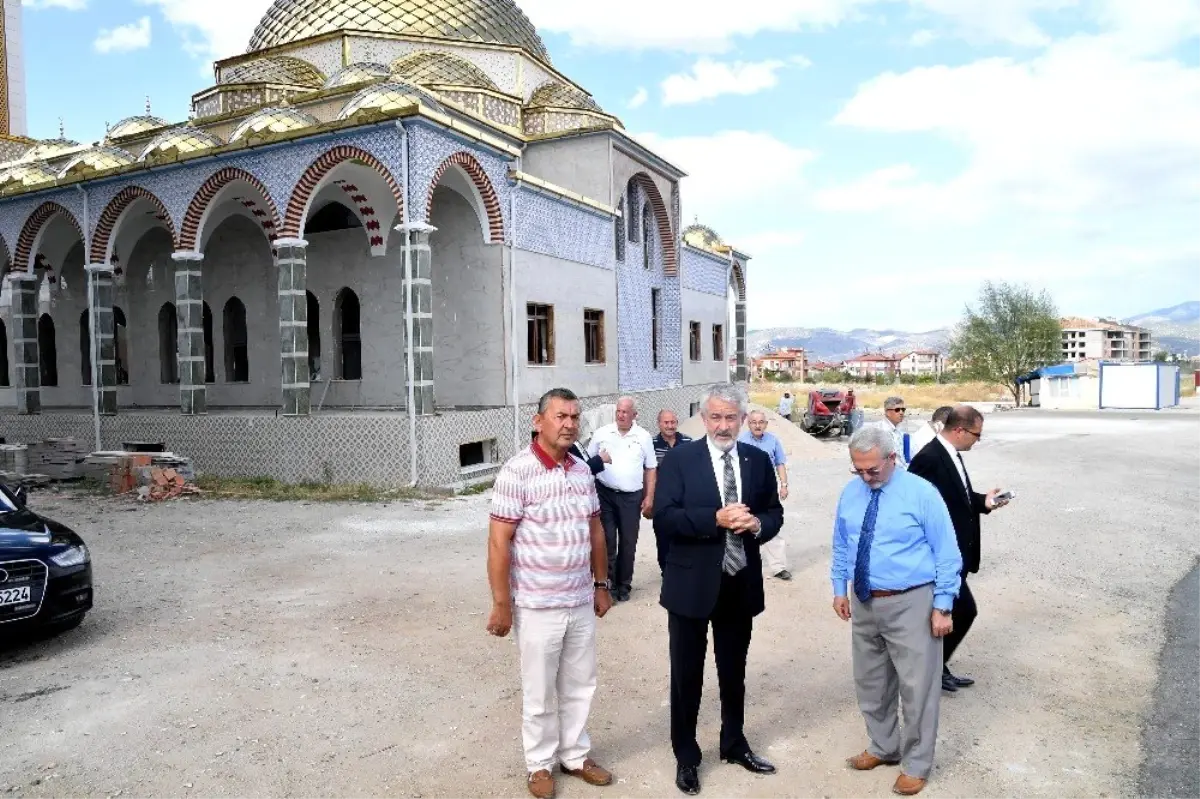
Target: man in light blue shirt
[[895, 574], [774, 553]]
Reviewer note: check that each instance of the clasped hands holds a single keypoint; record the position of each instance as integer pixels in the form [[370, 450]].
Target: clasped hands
[[737, 517]]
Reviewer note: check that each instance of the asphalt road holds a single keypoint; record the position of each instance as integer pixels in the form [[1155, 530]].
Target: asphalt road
[[1171, 737]]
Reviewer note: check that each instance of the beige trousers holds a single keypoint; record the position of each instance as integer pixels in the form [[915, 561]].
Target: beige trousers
[[558, 679], [774, 554]]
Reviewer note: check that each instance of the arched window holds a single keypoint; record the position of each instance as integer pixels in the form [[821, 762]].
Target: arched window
[[121, 340], [3, 354], [210, 371], [168, 344], [47, 351], [346, 328], [314, 337], [647, 235], [619, 227], [237, 343], [85, 347], [632, 205]]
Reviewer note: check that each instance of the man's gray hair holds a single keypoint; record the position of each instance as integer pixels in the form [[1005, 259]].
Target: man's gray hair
[[893, 402], [564, 394], [872, 437], [629, 399], [725, 392]]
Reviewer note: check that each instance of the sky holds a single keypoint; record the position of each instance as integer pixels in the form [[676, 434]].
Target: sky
[[877, 159]]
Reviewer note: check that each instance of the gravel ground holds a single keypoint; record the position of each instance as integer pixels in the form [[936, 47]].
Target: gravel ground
[[254, 649]]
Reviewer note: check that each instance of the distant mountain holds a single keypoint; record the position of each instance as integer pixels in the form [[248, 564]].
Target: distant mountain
[[826, 344], [1175, 329]]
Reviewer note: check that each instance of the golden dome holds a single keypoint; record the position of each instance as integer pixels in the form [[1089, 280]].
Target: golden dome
[[132, 126], [97, 159], [494, 21], [272, 120], [427, 66], [703, 238], [26, 176], [275, 69], [387, 98], [560, 95], [49, 149], [362, 72], [179, 141]]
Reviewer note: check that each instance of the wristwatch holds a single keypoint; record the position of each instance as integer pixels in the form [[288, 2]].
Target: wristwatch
[[606, 585], [943, 612]]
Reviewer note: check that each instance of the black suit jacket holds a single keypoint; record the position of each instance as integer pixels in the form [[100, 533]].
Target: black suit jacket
[[686, 501], [966, 505]]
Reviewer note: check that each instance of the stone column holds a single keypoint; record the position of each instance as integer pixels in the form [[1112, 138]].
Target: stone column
[[292, 259], [26, 363], [104, 332], [189, 318], [739, 341], [421, 293]]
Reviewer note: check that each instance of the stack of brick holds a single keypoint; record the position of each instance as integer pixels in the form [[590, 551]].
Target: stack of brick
[[57, 458]]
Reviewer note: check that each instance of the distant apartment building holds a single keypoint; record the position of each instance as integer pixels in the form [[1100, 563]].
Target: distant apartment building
[[872, 365], [817, 369], [792, 362], [922, 363], [1105, 339]]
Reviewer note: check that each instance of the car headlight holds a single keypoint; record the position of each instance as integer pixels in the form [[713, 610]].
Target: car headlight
[[71, 557]]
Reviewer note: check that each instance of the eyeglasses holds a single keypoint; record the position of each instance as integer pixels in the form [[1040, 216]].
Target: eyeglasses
[[978, 436], [899, 410], [874, 471]]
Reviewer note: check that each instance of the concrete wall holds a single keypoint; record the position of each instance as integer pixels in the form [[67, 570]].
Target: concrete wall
[[579, 164], [708, 310]]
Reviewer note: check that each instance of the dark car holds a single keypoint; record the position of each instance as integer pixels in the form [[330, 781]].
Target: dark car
[[45, 570]]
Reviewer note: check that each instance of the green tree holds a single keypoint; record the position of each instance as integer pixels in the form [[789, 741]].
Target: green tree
[[1162, 356], [1012, 332]]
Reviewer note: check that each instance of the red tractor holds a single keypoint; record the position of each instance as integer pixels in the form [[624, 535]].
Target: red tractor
[[825, 412]]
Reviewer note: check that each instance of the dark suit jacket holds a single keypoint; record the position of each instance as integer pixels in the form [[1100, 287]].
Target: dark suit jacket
[[595, 463], [936, 465], [686, 501]]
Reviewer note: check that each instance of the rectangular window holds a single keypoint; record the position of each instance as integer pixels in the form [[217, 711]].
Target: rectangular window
[[593, 336], [541, 333], [718, 334], [694, 340], [655, 313]]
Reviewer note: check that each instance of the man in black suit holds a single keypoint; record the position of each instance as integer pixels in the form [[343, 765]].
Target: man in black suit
[[717, 502], [940, 462]]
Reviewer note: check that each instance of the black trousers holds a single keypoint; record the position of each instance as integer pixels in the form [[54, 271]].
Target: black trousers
[[731, 628], [621, 515], [963, 616]]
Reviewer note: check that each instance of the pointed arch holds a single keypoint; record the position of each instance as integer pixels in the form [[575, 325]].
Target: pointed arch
[[488, 199], [737, 279], [115, 212], [261, 208], [366, 201], [662, 219], [33, 227]]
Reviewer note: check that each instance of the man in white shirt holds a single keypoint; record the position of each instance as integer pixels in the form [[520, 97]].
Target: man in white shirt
[[928, 432], [893, 417], [786, 404], [626, 488]]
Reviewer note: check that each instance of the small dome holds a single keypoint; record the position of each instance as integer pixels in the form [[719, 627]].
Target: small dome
[[179, 141], [362, 72], [386, 98], [26, 176], [97, 159], [703, 238], [50, 149], [272, 120], [276, 69], [560, 95], [428, 66], [132, 126]]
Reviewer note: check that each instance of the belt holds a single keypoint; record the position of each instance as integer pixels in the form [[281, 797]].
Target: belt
[[883, 593], [617, 490]]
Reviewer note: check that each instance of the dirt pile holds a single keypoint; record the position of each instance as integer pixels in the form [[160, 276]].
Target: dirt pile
[[798, 445]]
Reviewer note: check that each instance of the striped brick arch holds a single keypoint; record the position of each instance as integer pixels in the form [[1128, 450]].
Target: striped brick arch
[[262, 208], [38, 220], [111, 215], [738, 278], [483, 184], [373, 219], [663, 219]]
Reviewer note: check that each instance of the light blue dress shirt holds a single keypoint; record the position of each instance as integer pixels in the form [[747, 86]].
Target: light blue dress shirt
[[769, 444], [914, 539]]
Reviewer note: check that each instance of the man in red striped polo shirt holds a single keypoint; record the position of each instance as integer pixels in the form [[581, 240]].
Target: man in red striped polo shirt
[[548, 571]]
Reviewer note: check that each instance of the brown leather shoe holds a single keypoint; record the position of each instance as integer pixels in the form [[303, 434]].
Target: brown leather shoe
[[908, 786], [541, 784], [867, 761], [591, 773]]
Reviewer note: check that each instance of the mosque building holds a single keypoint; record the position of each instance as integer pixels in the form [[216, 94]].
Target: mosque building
[[386, 229]]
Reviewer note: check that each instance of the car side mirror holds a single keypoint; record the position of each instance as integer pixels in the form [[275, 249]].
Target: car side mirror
[[22, 495]]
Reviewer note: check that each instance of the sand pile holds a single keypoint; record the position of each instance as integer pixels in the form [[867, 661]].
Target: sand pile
[[798, 445]]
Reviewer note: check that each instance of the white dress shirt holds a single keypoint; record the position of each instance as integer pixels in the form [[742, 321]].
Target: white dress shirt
[[897, 439], [632, 453], [925, 433], [958, 464], [718, 461]]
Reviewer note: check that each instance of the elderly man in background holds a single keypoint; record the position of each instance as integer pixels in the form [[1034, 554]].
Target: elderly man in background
[[894, 544], [626, 488], [667, 439], [547, 558], [893, 416], [786, 404], [928, 432], [774, 553]]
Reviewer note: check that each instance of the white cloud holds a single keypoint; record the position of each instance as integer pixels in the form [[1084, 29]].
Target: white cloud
[[639, 98], [709, 79], [922, 38], [213, 29], [124, 38], [69, 5]]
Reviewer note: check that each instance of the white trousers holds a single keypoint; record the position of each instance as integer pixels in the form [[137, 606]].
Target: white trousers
[[774, 554], [558, 680]]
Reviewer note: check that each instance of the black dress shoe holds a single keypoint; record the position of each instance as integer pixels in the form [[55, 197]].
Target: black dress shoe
[[948, 684], [961, 682], [752, 763], [687, 779]]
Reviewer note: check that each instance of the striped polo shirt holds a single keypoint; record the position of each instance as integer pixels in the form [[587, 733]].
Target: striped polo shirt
[[551, 504]]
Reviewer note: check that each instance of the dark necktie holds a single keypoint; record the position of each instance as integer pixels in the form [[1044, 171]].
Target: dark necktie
[[966, 477], [735, 550], [862, 564]]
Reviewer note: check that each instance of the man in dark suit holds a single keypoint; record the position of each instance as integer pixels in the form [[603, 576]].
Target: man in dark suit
[[717, 502], [940, 462]]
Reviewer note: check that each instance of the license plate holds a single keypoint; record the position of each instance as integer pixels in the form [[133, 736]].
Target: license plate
[[14, 596]]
